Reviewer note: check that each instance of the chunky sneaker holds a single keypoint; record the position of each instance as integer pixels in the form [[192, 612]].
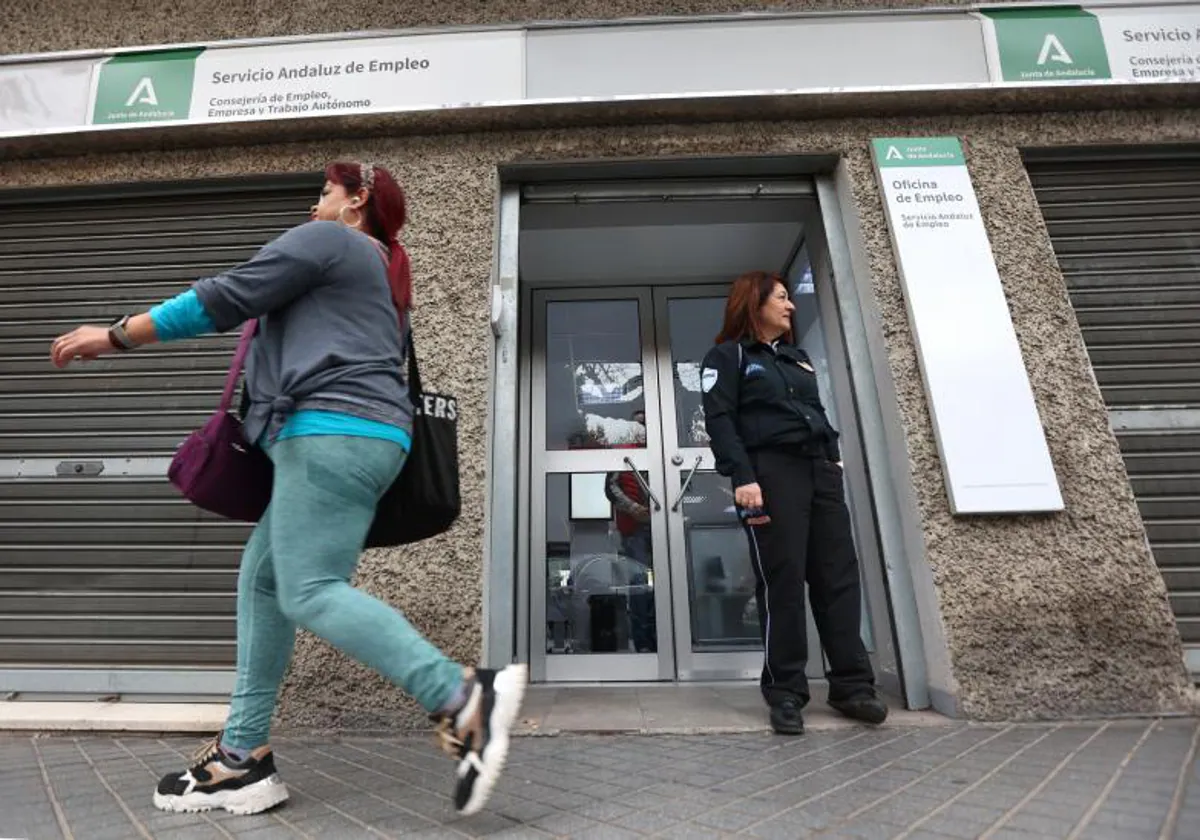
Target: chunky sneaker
[[478, 734], [786, 718], [215, 780], [867, 708]]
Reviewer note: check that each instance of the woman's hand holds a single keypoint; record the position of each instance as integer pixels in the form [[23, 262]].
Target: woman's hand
[[747, 497], [81, 343]]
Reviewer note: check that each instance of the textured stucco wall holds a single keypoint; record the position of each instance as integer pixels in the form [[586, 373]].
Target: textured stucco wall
[[1044, 616], [90, 24]]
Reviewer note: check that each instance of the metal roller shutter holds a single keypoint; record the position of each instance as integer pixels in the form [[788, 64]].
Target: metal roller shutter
[[1126, 230], [102, 565]]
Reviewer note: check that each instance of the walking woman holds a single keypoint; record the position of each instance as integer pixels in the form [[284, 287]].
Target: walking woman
[[770, 435], [329, 403]]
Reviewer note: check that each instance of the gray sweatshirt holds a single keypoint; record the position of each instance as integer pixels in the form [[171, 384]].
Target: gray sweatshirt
[[328, 336]]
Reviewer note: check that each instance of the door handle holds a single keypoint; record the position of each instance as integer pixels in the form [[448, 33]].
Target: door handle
[[642, 483], [686, 483]]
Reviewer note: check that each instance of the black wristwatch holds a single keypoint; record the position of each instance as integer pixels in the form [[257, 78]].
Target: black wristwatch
[[118, 337]]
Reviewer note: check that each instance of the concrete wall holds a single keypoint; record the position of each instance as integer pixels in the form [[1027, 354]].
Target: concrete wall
[[1044, 616], [82, 24]]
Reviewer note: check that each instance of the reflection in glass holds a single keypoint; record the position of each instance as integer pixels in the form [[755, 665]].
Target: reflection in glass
[[694, 324], [594, 389], [810, 336], [720, 577], [599, 565]]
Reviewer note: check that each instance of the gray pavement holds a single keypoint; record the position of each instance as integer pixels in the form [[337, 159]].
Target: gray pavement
[[1121, 780]]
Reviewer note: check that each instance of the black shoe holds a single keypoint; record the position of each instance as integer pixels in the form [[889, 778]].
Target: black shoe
[[216, 781], [786, 718], [867, 709], [478, 735]]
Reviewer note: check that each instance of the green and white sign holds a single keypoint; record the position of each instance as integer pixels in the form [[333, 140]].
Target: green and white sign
[[316, 79], [1046, 45], [926, 151], [993, 449], [1135, 43], [145, 87]]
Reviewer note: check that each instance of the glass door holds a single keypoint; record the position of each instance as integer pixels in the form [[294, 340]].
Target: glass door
[[717, 633], [599, 603], [640, 569]]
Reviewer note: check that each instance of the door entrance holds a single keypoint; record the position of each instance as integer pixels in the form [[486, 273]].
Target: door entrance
[[637, 567], [637, 529]]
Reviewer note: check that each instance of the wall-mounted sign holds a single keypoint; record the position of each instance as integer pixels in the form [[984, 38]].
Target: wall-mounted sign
[[1136, 43], [798, 55], [990, 437], [313, 79]]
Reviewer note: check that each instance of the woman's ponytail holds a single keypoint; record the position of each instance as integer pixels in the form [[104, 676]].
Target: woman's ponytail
[[400, 277], [384, 215]]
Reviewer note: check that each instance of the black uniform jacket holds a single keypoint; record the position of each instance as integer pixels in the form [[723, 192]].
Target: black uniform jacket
[[757, 396]]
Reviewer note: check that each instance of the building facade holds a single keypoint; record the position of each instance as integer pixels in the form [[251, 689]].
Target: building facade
[[584, 179]]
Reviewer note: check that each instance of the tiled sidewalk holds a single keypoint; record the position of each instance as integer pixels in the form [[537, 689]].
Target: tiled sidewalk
[[1121, 780]]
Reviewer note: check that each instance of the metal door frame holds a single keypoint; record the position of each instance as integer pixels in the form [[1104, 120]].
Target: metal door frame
[[617, 667], [877, 619], [877, 437]]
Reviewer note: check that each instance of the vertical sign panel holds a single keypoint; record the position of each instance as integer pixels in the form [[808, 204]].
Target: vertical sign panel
[[989, 435]]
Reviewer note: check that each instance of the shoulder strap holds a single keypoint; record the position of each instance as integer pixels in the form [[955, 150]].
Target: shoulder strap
[[414, 374], [239, 361]]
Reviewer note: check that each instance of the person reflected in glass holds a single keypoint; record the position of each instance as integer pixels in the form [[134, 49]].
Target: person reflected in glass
[[631, 516], [770, 434]]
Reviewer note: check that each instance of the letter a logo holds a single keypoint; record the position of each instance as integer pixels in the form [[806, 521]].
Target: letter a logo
[[1053, 50], [143, 94], [893, 154]]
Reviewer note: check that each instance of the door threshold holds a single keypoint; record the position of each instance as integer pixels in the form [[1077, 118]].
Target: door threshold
[[717, 708], [79, 716]]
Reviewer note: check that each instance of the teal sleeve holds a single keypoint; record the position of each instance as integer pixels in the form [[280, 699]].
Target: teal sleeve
[[183, 316]]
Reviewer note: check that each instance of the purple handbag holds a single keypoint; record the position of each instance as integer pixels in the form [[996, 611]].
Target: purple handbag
[[215, 468]]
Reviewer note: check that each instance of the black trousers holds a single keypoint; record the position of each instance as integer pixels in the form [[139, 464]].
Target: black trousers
[[807, 540]]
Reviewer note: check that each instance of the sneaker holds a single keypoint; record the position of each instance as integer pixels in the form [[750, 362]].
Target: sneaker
[[868, 709], [478, 734], [786, 718], [215, 780]]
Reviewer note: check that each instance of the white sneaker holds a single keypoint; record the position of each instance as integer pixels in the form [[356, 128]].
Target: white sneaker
[[478, 735]]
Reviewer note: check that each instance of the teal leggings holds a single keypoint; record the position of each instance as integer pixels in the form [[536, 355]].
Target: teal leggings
[[296, 572]]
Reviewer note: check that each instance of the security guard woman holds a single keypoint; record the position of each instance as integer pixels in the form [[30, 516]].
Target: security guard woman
[[770, 435]]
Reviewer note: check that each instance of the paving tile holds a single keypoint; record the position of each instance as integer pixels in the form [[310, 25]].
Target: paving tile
[[196, 832], [646, 822], [271, 832], [606, 832], [564, 825], [331, 825], [728, 819], [870, 830]]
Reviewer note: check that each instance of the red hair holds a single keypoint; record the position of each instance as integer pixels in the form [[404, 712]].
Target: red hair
[[384, 214], [744, 305]]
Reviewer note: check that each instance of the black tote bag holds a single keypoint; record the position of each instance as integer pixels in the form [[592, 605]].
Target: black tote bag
[[424, 500]]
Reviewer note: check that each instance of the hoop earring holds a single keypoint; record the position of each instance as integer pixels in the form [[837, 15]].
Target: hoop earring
[[357, 222]]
